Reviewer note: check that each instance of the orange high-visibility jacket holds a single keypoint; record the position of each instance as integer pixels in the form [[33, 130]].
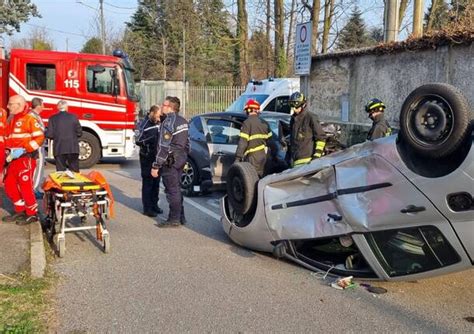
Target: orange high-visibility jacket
[[23, 131]]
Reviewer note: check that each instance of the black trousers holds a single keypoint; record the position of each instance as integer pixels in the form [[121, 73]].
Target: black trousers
[[150, 185], [171, 180], [67, 161]]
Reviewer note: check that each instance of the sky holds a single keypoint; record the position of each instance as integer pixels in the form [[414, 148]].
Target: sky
[[69, 23]]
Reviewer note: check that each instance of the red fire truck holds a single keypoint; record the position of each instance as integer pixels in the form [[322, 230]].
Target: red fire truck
[[99, 89]]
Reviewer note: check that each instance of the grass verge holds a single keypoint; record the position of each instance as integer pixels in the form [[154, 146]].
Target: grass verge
[[25, 302]]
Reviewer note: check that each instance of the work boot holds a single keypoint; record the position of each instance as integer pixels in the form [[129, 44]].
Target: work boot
[[169, 223], [150, 213], [14, 217], [28, 220]]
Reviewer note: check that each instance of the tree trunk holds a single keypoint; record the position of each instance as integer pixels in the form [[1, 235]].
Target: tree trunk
[[241, 76], [328, 14], [431, 14], [290, 28], [267, 35], [401, 12], [314, 31], [280, 61]]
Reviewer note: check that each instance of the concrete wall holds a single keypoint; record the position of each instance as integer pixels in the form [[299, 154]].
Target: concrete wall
[[340, 85]]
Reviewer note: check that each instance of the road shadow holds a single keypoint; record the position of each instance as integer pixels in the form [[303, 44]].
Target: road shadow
[[133, 203]]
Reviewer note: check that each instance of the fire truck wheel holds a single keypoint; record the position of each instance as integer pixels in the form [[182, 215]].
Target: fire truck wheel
[[89, 150]]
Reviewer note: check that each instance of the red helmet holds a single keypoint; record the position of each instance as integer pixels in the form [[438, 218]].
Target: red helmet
[[252, 105]]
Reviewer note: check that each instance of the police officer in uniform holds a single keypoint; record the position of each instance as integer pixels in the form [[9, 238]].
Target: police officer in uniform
[[255, 137], [146, 137], [307, 138], [380, 127], [171, 156]]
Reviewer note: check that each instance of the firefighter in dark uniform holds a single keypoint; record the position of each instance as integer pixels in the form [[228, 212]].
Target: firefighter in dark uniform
[[171, 156], [255, 138], [146, 137], [380, 127], [307, 138]]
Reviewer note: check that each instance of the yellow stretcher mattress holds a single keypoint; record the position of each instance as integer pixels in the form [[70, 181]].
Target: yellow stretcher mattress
[[77, 183]]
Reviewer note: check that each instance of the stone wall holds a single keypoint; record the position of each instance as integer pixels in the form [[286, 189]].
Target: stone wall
[[340, 84]]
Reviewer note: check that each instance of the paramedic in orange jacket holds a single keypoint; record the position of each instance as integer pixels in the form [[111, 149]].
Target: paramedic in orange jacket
[[23, 139]]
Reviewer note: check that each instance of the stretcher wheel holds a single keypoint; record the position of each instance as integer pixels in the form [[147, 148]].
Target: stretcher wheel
[[61, 245], [106, 241]]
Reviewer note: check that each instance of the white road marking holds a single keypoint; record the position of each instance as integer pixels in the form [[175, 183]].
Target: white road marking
[[203, 209], [213, 202]]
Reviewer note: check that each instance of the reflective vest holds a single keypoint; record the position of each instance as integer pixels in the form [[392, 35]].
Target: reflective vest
[[23, 131]]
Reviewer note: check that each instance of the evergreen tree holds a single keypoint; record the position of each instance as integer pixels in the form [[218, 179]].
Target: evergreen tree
[[12, 13], [354, 34], [93, 45]]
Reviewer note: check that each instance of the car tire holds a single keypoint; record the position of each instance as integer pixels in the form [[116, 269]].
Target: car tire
[[435, 120], [89, 150], [189, 178], [242, 179]]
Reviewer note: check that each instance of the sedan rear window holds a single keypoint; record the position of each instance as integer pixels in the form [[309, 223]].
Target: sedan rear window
[[411, 250]]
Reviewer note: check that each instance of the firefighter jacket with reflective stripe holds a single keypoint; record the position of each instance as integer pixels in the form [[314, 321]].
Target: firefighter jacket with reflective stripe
[[173, 142], [380, 128], [255, 136], [3, 125], [307, 139], [23, 131]]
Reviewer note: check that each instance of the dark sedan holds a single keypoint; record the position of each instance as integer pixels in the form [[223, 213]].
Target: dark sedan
[[214, 138]]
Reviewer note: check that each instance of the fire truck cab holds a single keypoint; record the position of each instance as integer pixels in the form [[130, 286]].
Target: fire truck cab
[[99, 89]]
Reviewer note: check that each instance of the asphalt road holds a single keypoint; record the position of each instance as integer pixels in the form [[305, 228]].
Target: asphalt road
[[194, 279]]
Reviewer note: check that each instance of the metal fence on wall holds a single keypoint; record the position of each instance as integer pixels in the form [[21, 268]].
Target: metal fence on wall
[[194, 100]]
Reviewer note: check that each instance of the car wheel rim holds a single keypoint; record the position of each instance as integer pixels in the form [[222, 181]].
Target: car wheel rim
[[433, 120], [85, 150], [187, 177], [238, 189]]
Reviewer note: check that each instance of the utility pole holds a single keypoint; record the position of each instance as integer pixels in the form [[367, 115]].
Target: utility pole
[[102, 25], [391, 20], [417, 18], [67, 44]]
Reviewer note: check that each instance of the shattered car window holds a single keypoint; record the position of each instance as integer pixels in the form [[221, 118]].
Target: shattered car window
[[411, 250]]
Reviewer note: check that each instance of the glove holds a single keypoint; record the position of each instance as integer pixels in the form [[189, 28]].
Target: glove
[[15, 153]]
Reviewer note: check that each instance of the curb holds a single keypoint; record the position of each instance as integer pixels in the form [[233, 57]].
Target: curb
[[37, 253]]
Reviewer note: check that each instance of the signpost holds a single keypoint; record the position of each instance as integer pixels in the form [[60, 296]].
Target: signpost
[[303, 49]]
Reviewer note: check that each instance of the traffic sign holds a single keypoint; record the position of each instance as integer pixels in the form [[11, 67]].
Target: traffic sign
[[303, 48]]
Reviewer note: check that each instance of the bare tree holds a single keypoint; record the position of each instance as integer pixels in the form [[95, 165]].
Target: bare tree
[[401, 12], [241, 77], [328, 15], [290, 28], [280, 61], [314, 10]]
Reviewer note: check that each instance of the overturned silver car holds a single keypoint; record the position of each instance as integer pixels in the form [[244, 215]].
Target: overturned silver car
[[397, 208]]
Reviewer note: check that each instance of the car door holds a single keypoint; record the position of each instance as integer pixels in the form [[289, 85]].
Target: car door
[[222, 136]]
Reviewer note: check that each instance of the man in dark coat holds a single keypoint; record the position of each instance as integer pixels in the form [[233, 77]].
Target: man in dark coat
[[64, 129], [380, 127]]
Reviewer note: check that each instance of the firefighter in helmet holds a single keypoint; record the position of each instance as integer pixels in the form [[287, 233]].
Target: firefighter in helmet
[[380, 127], [255, 138], [307, 137]]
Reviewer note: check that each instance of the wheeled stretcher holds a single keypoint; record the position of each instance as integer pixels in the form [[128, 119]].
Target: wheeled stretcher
[[68, 195]]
